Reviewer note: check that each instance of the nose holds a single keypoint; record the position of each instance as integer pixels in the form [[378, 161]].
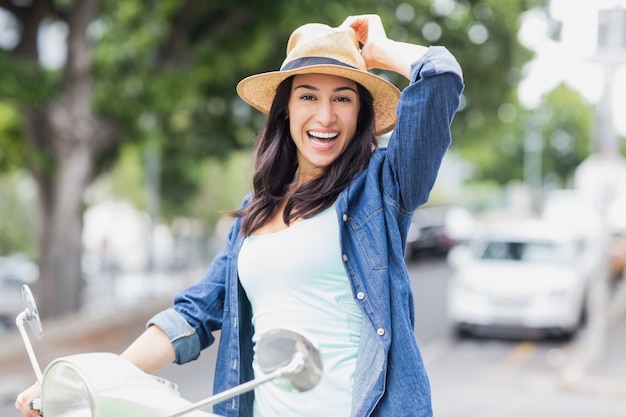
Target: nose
[[326, 113]]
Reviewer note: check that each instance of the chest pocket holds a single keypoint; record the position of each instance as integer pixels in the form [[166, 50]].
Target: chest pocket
[[371, 238]]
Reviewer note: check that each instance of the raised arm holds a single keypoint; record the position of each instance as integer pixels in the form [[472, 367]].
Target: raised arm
[[425, 110]]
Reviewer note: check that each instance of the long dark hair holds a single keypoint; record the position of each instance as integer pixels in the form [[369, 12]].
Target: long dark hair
[[276, 164]]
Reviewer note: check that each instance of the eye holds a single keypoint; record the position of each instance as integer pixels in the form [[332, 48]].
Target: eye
[[343, 99], [307, 97]]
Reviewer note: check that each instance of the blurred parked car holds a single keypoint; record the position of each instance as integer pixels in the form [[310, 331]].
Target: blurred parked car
[[15, 270], [437, 229], [520, 278]]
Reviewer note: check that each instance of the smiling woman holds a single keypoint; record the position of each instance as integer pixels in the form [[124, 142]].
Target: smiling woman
[[318, 244]]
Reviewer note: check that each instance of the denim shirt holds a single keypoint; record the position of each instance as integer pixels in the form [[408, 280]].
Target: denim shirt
[[374, 213]]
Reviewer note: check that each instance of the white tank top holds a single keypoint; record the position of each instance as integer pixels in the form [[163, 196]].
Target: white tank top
[[295, 279]]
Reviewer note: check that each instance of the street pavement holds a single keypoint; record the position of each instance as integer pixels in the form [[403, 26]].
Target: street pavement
[[114, 330]]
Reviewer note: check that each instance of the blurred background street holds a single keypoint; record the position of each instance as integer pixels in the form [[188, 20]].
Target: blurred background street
[[123, 146]]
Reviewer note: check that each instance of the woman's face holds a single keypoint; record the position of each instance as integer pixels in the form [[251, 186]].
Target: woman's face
[[323, 112]]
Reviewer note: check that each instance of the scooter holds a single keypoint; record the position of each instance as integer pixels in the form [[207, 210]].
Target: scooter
[[105, 385]]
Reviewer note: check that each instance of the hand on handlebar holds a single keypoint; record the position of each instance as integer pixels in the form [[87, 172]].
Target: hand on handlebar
[[25, 399]]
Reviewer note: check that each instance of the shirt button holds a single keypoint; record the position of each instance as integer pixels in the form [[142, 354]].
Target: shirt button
[[360, 296], [380, 331], [344, 257], [345, 217]]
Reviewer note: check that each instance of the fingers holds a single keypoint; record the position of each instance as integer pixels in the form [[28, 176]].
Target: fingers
[[371, 34], [24, 401], [366, 27], [23, 405]]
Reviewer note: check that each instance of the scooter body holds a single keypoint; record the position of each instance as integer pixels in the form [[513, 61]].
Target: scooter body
[[103, 384]]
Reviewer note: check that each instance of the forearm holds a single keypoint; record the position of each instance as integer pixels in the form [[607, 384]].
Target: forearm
[[151, 351], [398, 56]]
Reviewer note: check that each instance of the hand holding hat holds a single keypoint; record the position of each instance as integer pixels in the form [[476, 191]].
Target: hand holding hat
[[370, 33], [378, 50]]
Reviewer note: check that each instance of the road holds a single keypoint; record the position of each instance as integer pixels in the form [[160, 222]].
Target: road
[[469, 377], [496, 377]]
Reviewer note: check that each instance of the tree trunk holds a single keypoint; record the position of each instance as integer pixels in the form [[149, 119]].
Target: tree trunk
[[68, 136], [60, 262]]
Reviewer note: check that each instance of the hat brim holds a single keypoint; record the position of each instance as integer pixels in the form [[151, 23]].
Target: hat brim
[[259, 90]]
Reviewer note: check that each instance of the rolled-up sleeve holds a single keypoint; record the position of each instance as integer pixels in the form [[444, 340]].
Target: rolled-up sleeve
[[183, 337], [437, 60]]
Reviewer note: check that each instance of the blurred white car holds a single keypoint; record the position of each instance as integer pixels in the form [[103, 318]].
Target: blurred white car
[[519, 278]]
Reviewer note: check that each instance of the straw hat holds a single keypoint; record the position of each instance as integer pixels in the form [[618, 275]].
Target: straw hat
[[320, 49]]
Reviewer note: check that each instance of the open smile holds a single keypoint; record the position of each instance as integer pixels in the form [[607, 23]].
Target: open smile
[[322, 138]]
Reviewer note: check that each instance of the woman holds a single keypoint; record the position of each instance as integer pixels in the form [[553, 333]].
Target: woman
[[319, 244]]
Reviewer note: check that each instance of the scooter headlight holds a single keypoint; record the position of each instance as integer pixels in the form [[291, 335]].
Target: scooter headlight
[[65, 392], [103, 384]]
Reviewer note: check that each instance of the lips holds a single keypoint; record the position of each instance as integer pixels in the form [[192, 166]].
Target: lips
[[322, 138]]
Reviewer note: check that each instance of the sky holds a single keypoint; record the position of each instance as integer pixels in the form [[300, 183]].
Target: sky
[[570, 59]]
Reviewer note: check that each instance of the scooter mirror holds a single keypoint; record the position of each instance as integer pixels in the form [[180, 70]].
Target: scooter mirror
[[287, 358], [277, 349], [31, 312]]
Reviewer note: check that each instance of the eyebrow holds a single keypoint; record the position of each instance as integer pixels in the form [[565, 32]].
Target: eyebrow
[[335, 90]]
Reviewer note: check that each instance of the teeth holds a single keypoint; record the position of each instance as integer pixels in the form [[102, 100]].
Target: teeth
[[322, 135]]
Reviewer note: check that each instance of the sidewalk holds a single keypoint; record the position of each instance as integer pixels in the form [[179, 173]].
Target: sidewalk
[[603, 372]]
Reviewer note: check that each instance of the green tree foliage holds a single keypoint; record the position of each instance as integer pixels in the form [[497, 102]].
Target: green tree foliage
[[483, 36], [168, 69], [18, 228], [160, 75], [567, 124], [18, 209], [11, 149], [562, 127]]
